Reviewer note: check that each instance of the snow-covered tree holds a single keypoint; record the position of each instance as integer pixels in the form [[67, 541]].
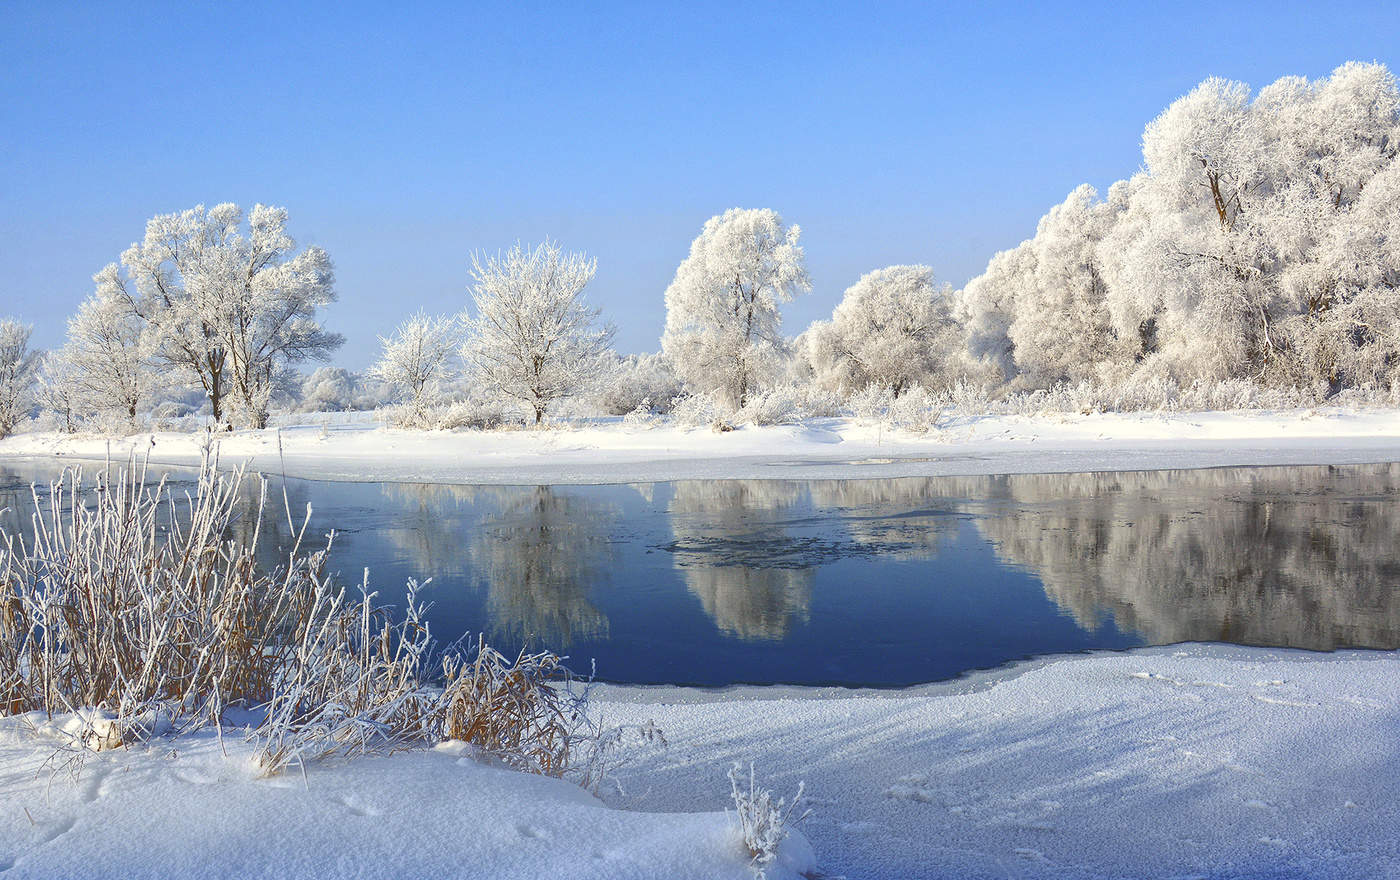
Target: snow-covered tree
[[18, 367], [1223, 250], [893, 328], [230, 308], [1255, 244], [417, 360], [106, 355], [329, 389], [1052, 295], [723, 329], [57, 391], [533, 337]]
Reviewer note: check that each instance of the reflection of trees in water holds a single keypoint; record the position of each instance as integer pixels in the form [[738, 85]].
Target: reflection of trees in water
[[426, 527], [536, 552], [539, 555], [732, 550], [1297, 557], [898, 519]]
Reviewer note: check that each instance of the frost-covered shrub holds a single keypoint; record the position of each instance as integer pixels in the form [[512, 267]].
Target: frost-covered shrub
[[333, 389], [636, 380], [764, 822], [642, 416], [782, 405], [476, 413], [915, 410], [696, 410]]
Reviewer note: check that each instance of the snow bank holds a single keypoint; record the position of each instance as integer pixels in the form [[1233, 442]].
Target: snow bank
[[191, 808], [610, 451], [1191, 761], [1187, 761]]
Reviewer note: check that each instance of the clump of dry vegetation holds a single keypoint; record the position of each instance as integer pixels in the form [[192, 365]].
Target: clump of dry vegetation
[[137, 611]]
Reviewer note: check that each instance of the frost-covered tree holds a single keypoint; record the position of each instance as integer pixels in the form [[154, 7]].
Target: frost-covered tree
[[533, 338], [18, 367], [893, 328], [1227, 250], [1052, 296], [231, 308], [57, 391], [1255, 244], [106, 355], [723, 329], [417, 360], [329, 389]]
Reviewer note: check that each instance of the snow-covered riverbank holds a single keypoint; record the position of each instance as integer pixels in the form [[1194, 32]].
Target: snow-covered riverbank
[[1171, 762], [609, 451]]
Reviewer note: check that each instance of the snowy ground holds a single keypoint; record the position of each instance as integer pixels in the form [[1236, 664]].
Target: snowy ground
[[607, 451], [1193, 761]]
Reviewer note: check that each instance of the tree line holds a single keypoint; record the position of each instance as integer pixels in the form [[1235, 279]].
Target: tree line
[[1257, 243]]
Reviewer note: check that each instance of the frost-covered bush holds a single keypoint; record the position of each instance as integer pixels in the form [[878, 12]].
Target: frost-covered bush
[[764, 823], [636, 380], [915, 410], [782, 405], [696, 410], [475, 412], [642, 416]]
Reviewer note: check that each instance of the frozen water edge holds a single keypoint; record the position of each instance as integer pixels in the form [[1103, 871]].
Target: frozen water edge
[[608, 451], [1190, 760]]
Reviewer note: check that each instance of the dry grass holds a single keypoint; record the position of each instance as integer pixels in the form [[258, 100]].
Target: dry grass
[[136, 608]]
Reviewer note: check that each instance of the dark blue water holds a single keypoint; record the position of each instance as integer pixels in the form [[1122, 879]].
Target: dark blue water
[[872, 582]]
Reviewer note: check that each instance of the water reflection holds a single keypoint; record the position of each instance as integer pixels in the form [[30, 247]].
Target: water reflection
[[538, 555], [731, 545], [880, 582], [1287, 557], [534, 551]]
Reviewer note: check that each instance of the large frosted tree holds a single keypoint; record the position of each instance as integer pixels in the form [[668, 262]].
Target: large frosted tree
[[723, 328], [230, 304], [1256, 243], [533, 337], [893, 328]]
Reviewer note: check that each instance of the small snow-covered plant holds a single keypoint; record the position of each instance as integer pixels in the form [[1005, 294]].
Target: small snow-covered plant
[[511, 709], [914, 410], [869, 403], [763, 822], [641, 417], [782, 405], [698, 410], [474, 413]]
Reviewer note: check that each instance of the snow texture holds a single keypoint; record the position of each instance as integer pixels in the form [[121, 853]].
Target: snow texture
[[1191, 761]]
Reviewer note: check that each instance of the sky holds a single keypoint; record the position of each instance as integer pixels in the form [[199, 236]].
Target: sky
[[404, 137]]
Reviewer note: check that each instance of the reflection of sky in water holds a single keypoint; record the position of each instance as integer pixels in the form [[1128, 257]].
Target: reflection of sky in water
[[875, 582]]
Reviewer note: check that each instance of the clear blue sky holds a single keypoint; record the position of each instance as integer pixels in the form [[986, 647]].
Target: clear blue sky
[[402, 139]]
